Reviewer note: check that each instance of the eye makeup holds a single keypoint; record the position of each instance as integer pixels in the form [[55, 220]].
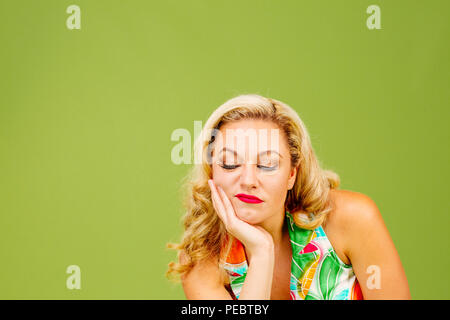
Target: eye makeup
[[228, 167], [268, 162], [266, 167]]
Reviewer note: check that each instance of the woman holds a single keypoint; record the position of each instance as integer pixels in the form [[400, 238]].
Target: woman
[[264, 221]]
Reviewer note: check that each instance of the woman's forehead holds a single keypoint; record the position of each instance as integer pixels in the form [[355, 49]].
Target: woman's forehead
[[250, 123], [258, 137], [266, 152]]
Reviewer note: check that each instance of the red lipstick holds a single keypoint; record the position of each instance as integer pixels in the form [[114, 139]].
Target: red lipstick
[[248, 198]]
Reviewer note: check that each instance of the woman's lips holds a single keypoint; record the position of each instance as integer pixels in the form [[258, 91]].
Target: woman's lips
[[248, 198]]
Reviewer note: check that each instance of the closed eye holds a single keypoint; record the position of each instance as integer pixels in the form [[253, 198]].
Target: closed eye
[[228, 167], [267, 168], [234, 166]]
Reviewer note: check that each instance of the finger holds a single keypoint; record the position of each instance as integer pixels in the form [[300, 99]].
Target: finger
[[217, 202], [220, 208], [229, 210], [214, 196], [227, 203]]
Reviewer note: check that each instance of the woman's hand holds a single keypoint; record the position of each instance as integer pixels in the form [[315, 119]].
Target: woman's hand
[[254, 238]]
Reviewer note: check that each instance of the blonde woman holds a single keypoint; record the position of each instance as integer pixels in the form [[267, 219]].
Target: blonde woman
[[264, 221]]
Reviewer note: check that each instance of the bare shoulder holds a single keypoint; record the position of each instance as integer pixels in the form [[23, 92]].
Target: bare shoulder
[[208, 268], [204, 280], [351, 213], [350, 206], [357, 227]]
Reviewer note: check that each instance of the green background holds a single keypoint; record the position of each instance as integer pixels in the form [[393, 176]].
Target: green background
[[86, 116]]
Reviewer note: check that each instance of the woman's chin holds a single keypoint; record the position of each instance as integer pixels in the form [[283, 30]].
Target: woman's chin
[[248, 216]]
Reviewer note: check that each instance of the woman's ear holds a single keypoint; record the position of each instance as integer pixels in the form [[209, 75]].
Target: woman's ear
[[292, 178]]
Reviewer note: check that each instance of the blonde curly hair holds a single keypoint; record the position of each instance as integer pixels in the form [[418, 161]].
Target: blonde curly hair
[[205, 236]]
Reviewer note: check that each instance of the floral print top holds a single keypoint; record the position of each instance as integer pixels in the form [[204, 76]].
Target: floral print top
[[317, 273]]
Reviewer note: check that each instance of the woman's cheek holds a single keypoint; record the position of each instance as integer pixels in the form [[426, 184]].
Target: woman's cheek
[[278, 192]]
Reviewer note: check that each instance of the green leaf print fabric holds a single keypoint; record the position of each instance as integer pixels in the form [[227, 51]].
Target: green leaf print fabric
[[317, 273]]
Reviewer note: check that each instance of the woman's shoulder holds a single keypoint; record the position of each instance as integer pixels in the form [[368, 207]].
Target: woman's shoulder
[[351, 213], [206, 269], [351, 206]]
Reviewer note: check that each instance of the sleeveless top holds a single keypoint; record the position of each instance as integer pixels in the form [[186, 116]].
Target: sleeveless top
[[317, 273]]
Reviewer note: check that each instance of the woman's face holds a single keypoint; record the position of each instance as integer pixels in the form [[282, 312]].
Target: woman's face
[[251, 159]]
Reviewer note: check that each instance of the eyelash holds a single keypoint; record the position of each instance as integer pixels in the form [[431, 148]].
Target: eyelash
[[231, 167], [228, 167]]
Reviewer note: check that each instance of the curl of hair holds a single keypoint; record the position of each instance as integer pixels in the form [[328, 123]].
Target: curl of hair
[[205, 236]]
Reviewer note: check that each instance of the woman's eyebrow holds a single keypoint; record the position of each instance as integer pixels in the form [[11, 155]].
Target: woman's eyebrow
[[271, 151], [225, 149]]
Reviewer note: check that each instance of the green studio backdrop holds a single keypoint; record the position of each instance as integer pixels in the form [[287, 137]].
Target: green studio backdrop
[[86, 117]]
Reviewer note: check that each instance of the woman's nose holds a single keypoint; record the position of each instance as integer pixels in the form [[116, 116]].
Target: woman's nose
[[248, 177]]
